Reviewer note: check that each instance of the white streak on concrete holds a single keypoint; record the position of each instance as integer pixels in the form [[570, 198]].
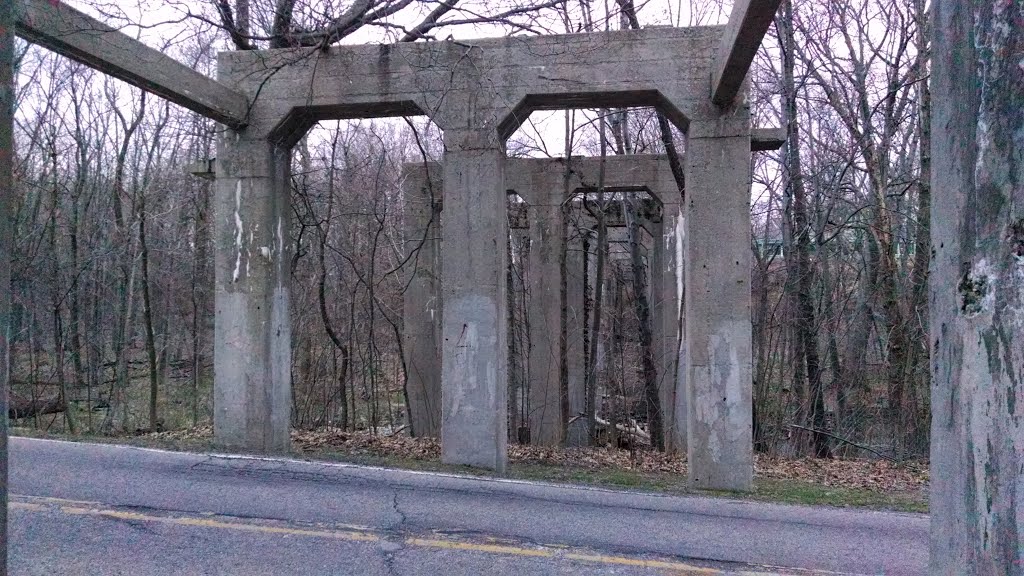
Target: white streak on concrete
[[238, 230]]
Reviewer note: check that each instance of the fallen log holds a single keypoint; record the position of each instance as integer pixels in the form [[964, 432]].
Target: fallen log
[[20, 407]]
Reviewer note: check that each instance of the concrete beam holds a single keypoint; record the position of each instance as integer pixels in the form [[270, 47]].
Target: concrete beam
[[299, 86], [747, 26], [58, 27], [767, 139]]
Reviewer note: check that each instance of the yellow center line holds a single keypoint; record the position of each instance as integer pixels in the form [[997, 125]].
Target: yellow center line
[[79, 508]]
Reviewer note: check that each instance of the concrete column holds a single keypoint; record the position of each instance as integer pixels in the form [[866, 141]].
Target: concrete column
[[976, 290], [678, 346], [575, 293], [421, 193], [252, 337], [547, 422], [665, 324], [718, 328], [474, 372]]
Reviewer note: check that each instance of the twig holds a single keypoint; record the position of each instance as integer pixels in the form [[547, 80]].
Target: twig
[[850, 442]]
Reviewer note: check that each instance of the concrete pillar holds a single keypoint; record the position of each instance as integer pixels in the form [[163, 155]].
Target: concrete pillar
[[544, 196], [677, 345], [474, 372], [421, 193], [665, 276], [518, 342], [252, 338], [575, 293], [718, 327], [976, 289]]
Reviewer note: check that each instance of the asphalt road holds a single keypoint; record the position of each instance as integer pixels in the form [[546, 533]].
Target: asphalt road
[[100, 509]]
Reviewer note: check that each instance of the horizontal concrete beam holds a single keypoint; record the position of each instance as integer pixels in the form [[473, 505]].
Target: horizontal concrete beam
[[747, 26], [492, 82], [66, 31], [205, 169], [765, 139]]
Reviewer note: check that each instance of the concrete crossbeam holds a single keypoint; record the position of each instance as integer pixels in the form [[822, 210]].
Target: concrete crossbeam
[[507, 78], [766, 139], [747, 26], [66, 31]]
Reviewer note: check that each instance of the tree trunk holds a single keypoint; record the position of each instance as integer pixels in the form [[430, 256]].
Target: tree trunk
[[147, 313], [58, 307], [916, 370], [977, 289], [804, 322]]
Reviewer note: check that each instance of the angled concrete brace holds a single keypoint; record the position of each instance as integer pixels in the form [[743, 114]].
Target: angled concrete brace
[[747, 26], [66, 31]]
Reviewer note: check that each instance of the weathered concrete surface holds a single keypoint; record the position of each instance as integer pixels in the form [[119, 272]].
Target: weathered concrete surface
[[474, 371], [747, 26], [58, 27], [521, 73], [421, 193], [544, 192], [977, 289], [7, 94], [666, 300], [576, 282], [765, 139], [718, 325], [252, 333]]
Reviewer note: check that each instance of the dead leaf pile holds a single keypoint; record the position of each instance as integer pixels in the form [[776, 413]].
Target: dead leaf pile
[[363, 443], [879, 475]]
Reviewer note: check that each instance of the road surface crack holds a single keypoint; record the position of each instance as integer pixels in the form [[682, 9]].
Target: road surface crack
[[389, 547], [402, 518]]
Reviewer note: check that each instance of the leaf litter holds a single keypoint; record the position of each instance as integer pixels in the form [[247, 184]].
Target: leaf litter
[[875, 475]]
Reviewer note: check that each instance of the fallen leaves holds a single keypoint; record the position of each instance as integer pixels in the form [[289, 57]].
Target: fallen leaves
[[877, 475]]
